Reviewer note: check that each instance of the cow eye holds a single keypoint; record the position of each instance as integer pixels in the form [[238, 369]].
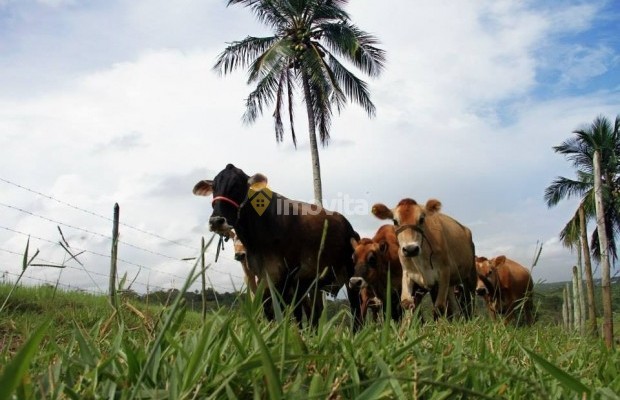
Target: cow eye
[[395, 222], [422, 217], [372, 260]]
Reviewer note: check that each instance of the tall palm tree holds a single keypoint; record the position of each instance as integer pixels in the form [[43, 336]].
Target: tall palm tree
[[600, 137], [579, 150], [302, 54], [608, 326]]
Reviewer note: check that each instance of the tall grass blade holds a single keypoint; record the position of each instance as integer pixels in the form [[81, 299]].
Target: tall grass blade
[[375, 391], [25, 259], [15, 370], [561, 376], [152, 359], [274, 386]]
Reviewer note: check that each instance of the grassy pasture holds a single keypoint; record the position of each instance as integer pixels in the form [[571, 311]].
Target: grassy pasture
[[57, 345]]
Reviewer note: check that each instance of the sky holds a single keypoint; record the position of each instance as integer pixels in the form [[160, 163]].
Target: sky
[[116, 101]]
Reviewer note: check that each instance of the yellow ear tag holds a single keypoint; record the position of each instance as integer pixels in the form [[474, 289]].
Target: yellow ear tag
[[260, 197]]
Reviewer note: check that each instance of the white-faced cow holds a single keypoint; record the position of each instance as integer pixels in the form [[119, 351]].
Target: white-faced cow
[[506, 287], [283, 237], [436, 253]]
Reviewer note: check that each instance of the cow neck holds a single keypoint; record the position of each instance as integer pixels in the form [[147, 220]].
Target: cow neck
[[227, 200], [246, 219]]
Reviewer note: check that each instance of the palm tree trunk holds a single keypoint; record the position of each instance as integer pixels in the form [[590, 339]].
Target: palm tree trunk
[[593, 329], [608, 327], [314, 149]]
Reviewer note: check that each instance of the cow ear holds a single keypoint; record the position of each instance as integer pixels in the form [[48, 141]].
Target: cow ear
[[258, 180], [354, 243], [383, 247], [499, 260], [203, 188], [480, 259], [382, 212], [433, 205]]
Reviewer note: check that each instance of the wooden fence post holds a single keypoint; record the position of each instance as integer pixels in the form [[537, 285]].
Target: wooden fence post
[[576, 301], [113, 258], [565, 317], [569, 295], [204, 280]]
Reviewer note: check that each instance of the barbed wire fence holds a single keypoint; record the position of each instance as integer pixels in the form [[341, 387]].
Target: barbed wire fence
[[86, 268]]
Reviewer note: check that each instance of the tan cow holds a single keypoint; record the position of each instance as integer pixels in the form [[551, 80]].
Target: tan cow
[[506, 287], [436, 253], [251, 279]]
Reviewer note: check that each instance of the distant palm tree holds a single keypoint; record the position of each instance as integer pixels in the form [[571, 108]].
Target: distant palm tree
[[579, 150], [601, 137], [302, 54]]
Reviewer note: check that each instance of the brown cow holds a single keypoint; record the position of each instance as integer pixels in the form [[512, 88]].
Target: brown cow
[[373, 259], [283, 238], [436, 253], [506, 287]]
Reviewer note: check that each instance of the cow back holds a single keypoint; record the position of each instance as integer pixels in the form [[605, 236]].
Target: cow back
[[453, 245], [285, 243]]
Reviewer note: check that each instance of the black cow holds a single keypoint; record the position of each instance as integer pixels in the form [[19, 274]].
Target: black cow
[[283, 237]]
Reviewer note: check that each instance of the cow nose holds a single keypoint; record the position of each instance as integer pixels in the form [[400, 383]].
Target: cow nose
[[411, 250], [239, 256], [356, 282], [481, 291], [217, 221]]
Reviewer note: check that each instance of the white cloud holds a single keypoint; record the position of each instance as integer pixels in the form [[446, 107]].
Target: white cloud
[[456, 120]]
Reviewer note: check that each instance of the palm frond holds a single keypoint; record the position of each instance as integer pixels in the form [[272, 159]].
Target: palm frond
[[563, 188], [261, 97], [354, 87], [243, 53], [346, 40], [276, 57], [290, 88], [268, 12]]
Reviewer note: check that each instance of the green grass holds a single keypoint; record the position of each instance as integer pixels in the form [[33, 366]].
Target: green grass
[[84, 350]]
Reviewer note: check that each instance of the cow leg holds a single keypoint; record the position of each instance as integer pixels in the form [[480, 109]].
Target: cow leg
[[356, 309], [313, 306], [466, 300], [441, 303], [406, 296], [397, 311]]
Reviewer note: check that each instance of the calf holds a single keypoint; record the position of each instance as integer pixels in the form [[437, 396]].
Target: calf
[[506, 287]]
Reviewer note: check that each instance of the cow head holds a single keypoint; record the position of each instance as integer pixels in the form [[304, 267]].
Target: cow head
[[230, 189], [240, 253], [368, 257], [409, 218], [488, 279]]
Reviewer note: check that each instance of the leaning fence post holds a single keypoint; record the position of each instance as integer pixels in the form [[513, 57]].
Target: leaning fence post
[[113, 258], [565, 317], [576, 301], [204, 280]]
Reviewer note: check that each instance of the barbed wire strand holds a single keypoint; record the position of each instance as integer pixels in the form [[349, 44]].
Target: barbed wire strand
[[107, 256], [99, 234], [47, 196], [66, 266]]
